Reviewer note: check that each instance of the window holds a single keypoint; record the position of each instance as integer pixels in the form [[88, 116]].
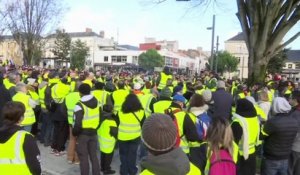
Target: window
[[114, 58], [124, 59], [290, 66], [105, 58], [119, 59]]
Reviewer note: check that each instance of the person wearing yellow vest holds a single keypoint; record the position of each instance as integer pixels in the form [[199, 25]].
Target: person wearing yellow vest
[[260, 112], [246, 128], [19, 152], [264, 102], [159, 135], [70, 102], [11, 81], [162, 79], [89, 79], [129, 119], [107, 137], [118, 96], [21, 96], [137, 90], [163, 102], [186, 127], [59, 118], [100, 94], [148, 101], [86, 122]]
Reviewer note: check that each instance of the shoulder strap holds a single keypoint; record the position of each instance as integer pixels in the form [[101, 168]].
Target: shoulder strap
[[136, 117]]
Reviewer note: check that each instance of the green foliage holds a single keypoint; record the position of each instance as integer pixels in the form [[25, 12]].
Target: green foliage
[[151, 59], [226, 62], [276, 63], [79, 53], [62, 46]]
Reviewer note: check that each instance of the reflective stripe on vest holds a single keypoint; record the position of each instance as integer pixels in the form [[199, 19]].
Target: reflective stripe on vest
[[250, 136], [90, 117], [107, 142], [130, 127], [146, 100], [184, 145], [29, 117], [12, 159]]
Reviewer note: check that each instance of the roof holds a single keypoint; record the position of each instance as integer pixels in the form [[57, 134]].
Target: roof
[[293, 55], [129, 47], [238, 37], [77, 34]]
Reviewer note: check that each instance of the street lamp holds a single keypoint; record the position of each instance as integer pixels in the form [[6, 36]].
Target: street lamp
[[212, 28]]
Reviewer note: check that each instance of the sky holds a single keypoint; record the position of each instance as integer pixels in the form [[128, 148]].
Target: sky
[[130, 21]]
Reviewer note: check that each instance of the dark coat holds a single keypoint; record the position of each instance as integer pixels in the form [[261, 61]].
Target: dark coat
[[223, 102], [4, 98]]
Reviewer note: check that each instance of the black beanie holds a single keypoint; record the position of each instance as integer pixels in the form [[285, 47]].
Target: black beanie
[[245, 108], [84, 89]]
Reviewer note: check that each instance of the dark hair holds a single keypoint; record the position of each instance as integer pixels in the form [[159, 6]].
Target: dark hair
[[13, 111], [131, 104], [197, 101], [121, 84], [84, 89], [99, 85]]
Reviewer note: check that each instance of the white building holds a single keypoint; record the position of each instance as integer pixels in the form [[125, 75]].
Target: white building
[[237, 47]]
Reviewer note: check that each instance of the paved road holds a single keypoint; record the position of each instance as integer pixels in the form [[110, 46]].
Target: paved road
[[54, 165]]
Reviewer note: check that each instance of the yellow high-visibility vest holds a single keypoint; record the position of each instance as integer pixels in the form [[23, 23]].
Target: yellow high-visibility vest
[[119, 98], [106, 141], [193, 171], [161, 106], [91, 117], [101, 96], [71, 100], [163, 80], [130, 127], [29, 117], [12, 157], [41, 92], [146, 100]]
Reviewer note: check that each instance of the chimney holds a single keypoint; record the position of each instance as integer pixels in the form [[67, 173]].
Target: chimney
[[88, 30], [102, 34]]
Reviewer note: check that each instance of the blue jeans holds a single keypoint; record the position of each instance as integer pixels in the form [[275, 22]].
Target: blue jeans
[[128, 155], [46, 129], [274, 167], [142, 151]]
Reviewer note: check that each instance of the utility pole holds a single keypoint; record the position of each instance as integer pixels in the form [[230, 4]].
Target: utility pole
[[212, 42], [216, 55]]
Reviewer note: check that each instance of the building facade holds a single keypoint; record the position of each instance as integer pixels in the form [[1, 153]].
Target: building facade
[[237, 47], [10, 50]]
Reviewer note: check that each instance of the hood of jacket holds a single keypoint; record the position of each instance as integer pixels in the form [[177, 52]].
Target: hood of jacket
[[173, 162], [6, 131], [90, 101], [199, 110]]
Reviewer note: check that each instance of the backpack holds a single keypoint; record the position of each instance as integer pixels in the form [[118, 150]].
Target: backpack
[[172, 113], [222, 166], [49, 101], [202, 123]]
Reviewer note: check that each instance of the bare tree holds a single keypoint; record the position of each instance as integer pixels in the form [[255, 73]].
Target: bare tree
[[29, 20], [265, 24]]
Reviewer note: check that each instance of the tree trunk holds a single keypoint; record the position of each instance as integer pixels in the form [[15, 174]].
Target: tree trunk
[[257, 69]]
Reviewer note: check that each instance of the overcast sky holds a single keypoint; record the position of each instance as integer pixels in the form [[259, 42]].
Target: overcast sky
[[136, 19]]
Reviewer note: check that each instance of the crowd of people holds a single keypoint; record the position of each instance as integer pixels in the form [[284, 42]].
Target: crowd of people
[[161, 123]]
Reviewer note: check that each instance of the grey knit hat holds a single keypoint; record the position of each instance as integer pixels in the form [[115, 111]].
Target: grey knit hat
[[159, 133], [207, 96], [166, 92]]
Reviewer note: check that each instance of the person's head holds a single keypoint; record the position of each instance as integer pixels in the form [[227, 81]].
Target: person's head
[[121, 84], [245, 108], [196, 101], [91, 76], [280, 105], [21, 87], [159, 134], [207, 96], [13, 112], [219, 134], [178, 90], [99, 86], [221, 84], [14, 77], [263, 96], [154, 92], [137, 86], [180, 100], [148, 85], [84, 89], [166, 92], [131, 104]]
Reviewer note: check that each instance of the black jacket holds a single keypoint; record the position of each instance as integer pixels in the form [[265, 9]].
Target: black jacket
[[91, 102], [4, 98], [281, 130], [223, 102], [31, 150]]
